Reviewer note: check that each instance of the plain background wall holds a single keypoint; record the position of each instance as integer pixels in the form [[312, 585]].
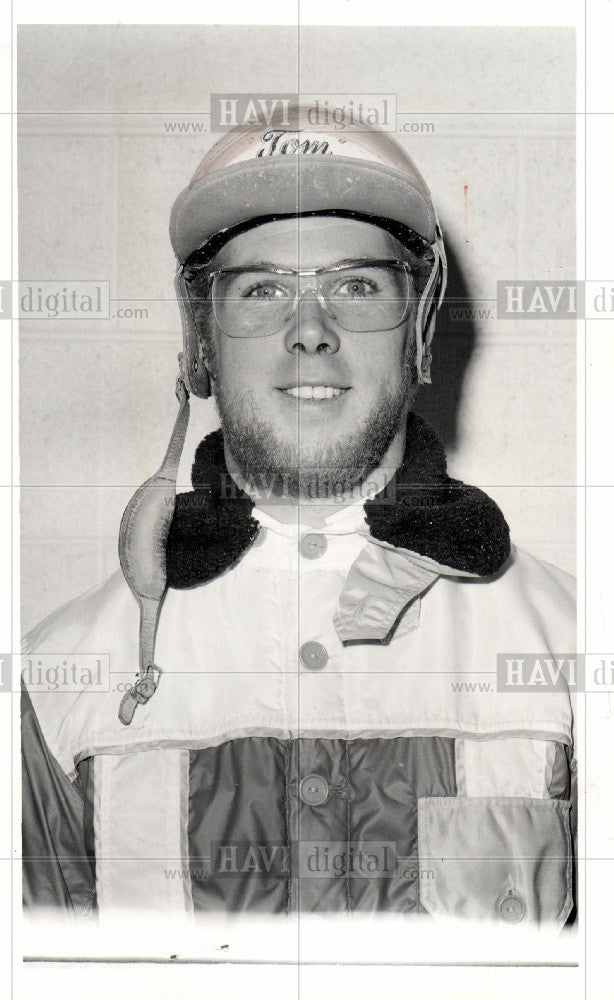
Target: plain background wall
[[98, 172]]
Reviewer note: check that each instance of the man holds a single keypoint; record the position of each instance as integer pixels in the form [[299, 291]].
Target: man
[[305, 732]]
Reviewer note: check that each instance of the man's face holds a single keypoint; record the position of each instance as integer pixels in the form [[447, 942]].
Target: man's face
[[311, 400]]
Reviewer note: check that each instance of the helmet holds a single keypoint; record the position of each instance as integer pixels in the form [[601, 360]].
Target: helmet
[[289, 165]]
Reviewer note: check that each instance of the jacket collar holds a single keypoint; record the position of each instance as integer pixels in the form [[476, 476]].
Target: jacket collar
[[422, 511]]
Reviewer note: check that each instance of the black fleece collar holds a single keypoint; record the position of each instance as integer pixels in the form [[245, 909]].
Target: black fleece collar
[[421, 509]]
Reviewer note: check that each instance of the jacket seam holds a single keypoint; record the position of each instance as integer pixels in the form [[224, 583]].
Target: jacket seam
[[348, 832], [162, 741], [287, 749]]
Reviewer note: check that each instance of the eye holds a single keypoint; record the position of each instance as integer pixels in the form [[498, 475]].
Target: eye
[[253, 286], [264, 291], [356, 287]]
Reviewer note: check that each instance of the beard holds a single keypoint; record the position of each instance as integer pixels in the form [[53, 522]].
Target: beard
[[292, 469]]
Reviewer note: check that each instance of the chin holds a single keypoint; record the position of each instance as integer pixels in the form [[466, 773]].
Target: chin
[[298, 442]]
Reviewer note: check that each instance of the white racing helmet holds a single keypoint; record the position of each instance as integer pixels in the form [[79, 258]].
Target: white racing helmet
[[289, 167]]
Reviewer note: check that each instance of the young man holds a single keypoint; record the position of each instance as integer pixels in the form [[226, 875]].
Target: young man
[[308, 736]]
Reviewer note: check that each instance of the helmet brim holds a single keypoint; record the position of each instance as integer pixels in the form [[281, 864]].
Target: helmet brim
[[294, 185]]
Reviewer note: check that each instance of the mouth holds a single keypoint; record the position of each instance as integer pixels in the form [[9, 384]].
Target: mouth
[[315, 393]]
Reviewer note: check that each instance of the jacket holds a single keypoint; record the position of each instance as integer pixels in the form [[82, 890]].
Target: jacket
[[332, 730]]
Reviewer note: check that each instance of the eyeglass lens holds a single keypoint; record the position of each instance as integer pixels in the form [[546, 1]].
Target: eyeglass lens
[[360, 298]]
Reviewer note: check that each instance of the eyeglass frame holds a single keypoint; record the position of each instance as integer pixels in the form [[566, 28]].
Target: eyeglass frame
[[305, 272]]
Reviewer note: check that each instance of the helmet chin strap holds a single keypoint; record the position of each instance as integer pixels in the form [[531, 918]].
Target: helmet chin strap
[[142, 553]]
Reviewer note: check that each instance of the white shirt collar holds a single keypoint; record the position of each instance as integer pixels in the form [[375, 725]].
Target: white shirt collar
[[345, 521]]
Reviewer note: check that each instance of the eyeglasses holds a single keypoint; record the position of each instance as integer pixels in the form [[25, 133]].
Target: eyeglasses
[[361, 296]]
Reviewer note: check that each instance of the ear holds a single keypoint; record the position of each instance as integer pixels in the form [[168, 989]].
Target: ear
[[192, 361], [206, 358], [410, 354], [195, 374]]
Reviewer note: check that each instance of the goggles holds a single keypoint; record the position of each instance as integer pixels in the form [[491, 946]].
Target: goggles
[[360, 296]]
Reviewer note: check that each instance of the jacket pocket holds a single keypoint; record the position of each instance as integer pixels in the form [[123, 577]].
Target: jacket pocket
[[505, 860]]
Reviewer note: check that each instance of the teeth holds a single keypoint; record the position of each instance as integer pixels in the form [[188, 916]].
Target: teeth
[[314, 391]]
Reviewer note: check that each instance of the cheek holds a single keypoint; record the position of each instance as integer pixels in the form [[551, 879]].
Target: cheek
[[242, 361], [383, 353]]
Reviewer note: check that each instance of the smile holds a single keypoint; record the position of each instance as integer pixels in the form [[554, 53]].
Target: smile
[[314, 391]]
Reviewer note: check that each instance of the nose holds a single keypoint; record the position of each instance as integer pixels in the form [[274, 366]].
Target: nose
[[311, 329]]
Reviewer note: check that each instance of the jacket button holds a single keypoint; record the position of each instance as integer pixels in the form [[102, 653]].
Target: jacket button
[[313, 655], [314, 790], [313, 546], [512, 909]]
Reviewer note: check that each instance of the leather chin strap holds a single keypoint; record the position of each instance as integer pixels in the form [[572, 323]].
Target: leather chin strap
[[142, 554]]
